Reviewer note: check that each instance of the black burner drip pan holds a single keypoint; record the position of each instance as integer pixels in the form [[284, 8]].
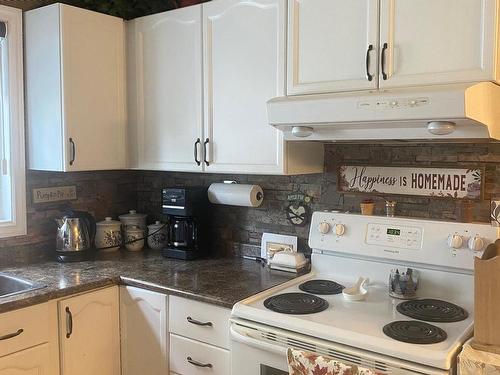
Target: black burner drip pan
[[321, 287], [432, 310], [296, 303], [415, 332]]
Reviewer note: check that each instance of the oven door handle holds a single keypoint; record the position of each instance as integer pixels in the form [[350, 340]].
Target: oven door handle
[[236, 336]]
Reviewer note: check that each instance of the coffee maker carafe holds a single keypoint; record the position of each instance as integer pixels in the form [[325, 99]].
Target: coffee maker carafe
[[187, 210]]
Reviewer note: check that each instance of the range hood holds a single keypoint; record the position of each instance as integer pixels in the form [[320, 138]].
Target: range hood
[[460, 113]]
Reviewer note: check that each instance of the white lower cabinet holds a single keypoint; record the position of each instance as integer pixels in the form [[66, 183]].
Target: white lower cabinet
[[28, 341], [199, 338], [144, 332], [89, 333], [33, 361], [190, 357]]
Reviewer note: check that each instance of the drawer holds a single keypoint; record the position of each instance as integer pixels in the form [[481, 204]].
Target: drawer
[[24, 328], [199, 321], [187, 357]]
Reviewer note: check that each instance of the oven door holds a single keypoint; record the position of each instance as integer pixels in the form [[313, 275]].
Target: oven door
[[251, 357], [261, 350]]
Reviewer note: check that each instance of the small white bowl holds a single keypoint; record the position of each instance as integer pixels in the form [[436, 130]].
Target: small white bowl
[[358, 291]]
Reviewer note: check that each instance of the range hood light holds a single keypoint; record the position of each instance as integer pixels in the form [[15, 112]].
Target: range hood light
[[302, 131], [441, 127]]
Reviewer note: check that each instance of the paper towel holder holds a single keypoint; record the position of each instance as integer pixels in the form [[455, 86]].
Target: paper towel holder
[[259, 195]]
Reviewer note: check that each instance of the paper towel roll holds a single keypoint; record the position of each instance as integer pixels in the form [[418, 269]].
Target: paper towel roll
[[236, 194]]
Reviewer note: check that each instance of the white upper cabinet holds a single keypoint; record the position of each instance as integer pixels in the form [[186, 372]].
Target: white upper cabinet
[[199, 79], [437, 42], [332, 45], [165, 90], [244, 65], [75, 89]]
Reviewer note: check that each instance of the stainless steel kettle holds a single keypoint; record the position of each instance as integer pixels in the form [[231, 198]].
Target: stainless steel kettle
[[75, 236]]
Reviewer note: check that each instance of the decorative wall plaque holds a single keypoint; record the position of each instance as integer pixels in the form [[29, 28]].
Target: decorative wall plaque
[[432, 182], [54, 194]]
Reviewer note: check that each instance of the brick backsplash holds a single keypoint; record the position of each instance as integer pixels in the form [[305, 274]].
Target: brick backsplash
[[241, 228], [106, 193], [236, 229]]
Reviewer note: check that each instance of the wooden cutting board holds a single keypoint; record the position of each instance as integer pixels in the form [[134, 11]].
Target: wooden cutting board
[[487, 300]]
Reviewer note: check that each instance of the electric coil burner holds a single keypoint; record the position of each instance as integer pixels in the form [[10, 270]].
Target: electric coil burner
[[322, 287], [415, 332], [432, 310], [296, 303]]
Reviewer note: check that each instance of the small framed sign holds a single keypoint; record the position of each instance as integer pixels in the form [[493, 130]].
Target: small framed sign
[[54, 194], [431, 182]]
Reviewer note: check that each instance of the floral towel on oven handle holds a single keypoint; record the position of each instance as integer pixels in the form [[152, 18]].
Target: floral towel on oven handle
[[306, 363]]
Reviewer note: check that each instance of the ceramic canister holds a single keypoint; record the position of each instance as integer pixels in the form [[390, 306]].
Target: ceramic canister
[[133, 219], [108, 235], [134, 238], [157, 236]]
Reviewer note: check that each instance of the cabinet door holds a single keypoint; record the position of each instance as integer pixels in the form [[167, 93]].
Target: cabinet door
[[332, 45], [93, 59], [243, 68], [165, 90], [144, 332], [89, 333], [33, 361], [437, 41]]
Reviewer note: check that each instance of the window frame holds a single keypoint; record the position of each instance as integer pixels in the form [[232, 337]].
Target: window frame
[[17, 226]]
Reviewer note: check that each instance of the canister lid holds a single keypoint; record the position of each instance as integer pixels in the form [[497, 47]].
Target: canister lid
[[108, 221], [157, 225], [132, 214]]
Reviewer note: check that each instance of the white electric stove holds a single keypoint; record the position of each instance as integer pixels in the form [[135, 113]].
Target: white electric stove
[[345, 247]]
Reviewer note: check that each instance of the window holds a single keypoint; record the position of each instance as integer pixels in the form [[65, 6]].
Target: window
[[12, 163]]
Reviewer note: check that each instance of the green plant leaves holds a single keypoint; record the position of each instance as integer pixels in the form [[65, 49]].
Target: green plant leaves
[[127, 9]]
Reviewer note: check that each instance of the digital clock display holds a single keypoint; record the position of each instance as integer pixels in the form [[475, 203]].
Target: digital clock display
[[393, 232]]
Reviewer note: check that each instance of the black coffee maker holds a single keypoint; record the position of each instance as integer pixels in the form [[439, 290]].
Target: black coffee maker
[[187, 210]]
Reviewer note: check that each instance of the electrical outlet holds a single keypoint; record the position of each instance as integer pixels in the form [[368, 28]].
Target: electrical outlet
[[495, 212]]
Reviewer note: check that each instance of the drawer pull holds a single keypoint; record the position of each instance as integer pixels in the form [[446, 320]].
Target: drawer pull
[[198, 364], [12, 335], [198, 323]]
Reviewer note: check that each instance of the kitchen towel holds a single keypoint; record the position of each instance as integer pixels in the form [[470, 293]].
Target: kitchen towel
[[305, 363], [236, 194]]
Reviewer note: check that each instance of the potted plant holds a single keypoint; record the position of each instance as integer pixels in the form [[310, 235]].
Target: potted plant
[[367, 206]]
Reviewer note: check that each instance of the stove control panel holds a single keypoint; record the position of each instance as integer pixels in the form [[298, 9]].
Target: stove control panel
[[394, 236], [439, 243]]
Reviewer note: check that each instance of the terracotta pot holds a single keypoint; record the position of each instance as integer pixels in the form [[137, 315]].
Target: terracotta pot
[[367, 208]]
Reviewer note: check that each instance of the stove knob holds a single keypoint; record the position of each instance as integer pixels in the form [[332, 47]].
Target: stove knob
[[324, 227], [455, 241], [339, 229], [476, 243]]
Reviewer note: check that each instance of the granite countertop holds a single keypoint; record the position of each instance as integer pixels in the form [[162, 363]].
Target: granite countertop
[[222, 282]]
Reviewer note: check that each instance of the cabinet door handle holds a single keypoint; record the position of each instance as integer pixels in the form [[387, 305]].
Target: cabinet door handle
[[73, 151], [369, 76], [382, 61], [11, 335], [197, 161], [198, 364], [198, 323], [207, 141], [69, 323]]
